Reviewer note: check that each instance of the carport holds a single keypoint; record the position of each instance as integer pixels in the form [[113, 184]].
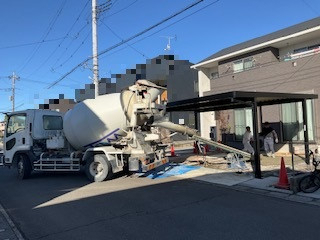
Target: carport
[[244, 99]]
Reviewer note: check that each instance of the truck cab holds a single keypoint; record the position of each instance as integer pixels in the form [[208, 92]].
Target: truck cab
[[26, 133]]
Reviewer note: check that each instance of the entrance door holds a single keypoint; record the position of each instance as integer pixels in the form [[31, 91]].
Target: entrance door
[[15, 136]]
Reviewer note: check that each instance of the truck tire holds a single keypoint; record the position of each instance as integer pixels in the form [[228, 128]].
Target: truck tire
[[98, 168], [23, 166]]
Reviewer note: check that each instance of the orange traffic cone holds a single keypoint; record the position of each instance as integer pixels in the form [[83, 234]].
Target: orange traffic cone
[[172, 151], [283, 177]]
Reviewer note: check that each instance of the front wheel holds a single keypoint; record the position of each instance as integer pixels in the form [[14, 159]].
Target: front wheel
[[23, 166], [98, 168], [309, 184]]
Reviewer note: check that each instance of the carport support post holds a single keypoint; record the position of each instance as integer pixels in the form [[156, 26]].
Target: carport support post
[[196, 120], [255, 130], [305, 130]]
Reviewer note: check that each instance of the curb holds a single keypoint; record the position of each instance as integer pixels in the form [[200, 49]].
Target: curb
[[291, 197], [11, 224]]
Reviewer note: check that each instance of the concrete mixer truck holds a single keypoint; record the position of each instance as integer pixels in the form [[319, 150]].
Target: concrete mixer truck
[[106, 135]]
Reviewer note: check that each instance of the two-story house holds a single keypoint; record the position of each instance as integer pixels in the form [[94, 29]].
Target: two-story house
[[287, 60]]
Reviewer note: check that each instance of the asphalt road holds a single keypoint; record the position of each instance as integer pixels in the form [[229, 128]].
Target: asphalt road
[[67, 206]]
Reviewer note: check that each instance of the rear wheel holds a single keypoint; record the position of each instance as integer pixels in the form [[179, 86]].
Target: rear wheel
[[309, 184], [98, 168], [23, 166]]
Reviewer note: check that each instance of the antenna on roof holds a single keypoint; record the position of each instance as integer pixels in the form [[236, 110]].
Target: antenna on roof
[[168, 47]]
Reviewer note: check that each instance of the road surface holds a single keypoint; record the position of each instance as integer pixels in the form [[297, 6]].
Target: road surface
[[67, 206]]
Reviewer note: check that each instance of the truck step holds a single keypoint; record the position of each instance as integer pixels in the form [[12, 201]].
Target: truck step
[[57, 164]]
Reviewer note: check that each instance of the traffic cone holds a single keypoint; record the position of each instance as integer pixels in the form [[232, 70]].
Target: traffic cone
[[172, 151], [283, 177]]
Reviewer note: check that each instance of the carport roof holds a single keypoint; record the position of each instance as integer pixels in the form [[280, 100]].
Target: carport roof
[[236, 99]]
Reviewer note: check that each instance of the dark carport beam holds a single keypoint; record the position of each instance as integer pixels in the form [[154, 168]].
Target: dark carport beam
[[257, 166], [305, 130]]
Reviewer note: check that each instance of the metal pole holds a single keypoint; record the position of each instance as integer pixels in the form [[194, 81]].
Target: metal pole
[[305, 130], [257, 164], [95, 48], [14, 77]]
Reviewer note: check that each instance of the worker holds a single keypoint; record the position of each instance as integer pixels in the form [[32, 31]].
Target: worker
[[269, 138], [247, 138]]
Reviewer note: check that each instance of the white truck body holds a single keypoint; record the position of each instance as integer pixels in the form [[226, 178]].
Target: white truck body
[[106, 135]]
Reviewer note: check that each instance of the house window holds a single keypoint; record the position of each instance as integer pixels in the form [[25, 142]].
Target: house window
[[243, 64], [304, 49], [243, 118], [214, 75], [293, 121], [238, 66]]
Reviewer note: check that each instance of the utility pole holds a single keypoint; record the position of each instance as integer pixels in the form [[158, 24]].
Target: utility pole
[[13, 78], [95, 48]]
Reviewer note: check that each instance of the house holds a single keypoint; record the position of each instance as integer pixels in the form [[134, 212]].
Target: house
[[287, 60], [59, 104]]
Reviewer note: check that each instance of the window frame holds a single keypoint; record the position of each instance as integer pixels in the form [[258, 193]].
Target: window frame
[[242, 61], [314, 128], [52, 116], [248, 122], [15, 115]]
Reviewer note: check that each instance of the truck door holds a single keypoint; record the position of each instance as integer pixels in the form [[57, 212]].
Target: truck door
[[15, 136]]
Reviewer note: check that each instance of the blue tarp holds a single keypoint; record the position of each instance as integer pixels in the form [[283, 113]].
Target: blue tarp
[[171, 170]]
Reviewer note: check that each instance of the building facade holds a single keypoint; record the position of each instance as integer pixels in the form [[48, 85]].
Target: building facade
[[285, 61], [59, 104]]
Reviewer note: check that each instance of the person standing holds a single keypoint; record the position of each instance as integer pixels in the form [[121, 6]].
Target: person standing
[[247, 138], [270, 137]]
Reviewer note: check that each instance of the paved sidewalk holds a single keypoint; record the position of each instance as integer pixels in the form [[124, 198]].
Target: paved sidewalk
[[247, 182], [8, 230]]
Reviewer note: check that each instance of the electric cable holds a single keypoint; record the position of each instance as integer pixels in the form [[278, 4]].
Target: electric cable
[[114, 33], [61, 42], [129, 39], [51, 25]]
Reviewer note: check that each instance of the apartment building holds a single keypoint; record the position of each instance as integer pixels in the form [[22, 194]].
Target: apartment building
[[287, 61]]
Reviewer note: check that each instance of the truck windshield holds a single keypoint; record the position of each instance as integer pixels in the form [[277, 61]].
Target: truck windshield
[[16, 123], [52, 122]]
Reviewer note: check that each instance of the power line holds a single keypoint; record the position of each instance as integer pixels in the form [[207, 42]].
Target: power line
[[51, 25], [179, 20], [73, 53], [69, 45], [33, 43], [120, 10], [310, 7], [114, 33], [61, 42], [129, 39]]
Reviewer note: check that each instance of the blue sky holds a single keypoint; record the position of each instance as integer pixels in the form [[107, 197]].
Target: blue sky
[[220, 25]]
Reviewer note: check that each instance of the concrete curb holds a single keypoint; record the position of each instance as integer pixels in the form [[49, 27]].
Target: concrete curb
[[12, 225], [269, 193]]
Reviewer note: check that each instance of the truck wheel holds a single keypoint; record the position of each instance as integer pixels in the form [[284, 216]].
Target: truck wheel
[[23, 166], [98, 168]]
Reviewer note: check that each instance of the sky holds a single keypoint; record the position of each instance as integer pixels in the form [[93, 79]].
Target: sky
[[41, 40]]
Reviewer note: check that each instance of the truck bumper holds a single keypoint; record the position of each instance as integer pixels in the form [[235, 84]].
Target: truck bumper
[[155, 164]]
